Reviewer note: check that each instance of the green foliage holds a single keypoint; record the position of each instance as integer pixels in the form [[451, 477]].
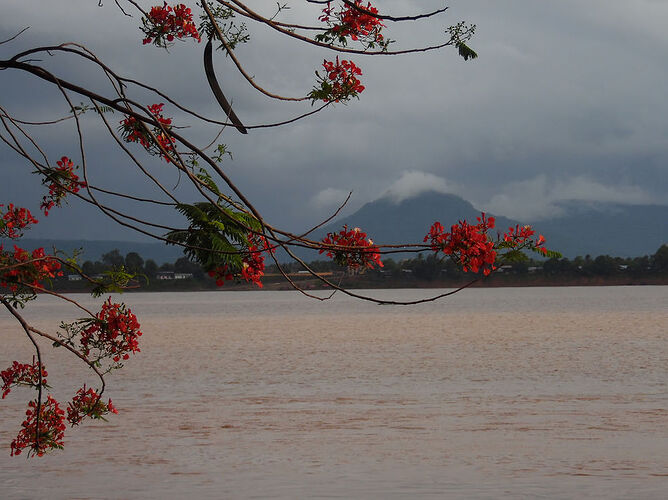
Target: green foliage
[[466, 52], [216, 234], [233, 32], [221, 151], [115, 280], [461, 33], [513, 256], [83, 108], [552, 254]]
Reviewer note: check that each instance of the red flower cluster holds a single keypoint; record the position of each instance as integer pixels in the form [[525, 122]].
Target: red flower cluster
[[359, 23], [24, 268], [252, 268], [354, 22], [252, 263], [14, 220], [468, 244], [86, 403], [22, 374], [352, 249], [134, 131], [221, 274], [50, 433], [115, 332], [165, 24], [521, 236], [340, 82], [61, 180]]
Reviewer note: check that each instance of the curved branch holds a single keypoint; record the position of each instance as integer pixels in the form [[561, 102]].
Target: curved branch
[[217, 92], [243, 10], [40, 366], [236, 61], [393, 18]]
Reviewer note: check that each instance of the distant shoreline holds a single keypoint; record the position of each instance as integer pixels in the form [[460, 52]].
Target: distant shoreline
[[362, 282]]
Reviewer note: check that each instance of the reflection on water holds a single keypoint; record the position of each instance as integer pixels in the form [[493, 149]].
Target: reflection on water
[[552, 392]]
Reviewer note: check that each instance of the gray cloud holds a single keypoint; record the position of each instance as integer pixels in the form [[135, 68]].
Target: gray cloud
[[413, 183], [566, 100], [537, 198]]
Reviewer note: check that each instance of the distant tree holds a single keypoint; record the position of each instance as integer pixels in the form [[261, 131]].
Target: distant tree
[[185, 265], [113, 259], [604, 265], [640, 265], [88, 268], [167, 266], [391, 266], [660, 259], [520, 267], [150, 268], [134, 262], [428, 269], [91, 268]]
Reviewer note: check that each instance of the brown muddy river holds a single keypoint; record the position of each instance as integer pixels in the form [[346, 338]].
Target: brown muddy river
[[493, 393]]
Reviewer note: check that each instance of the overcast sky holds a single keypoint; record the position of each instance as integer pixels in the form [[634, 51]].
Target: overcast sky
[[566, 101]]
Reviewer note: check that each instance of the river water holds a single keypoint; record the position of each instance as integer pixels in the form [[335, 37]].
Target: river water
[[492, 393]]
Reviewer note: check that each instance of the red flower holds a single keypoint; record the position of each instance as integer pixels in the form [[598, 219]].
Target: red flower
[[166, 23], [87, 403], [22, 268], [521, 237], [467, 244], [61, 181], [133, 130], [339, 83], [114, 332], [252, 263], [14, 220], [22, 374], [50, 433], [359, 23], [352, 249]]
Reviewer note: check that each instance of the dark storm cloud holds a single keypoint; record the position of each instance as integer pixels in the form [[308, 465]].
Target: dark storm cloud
[[566, 100]]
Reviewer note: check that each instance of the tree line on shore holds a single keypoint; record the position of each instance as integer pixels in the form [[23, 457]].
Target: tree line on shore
[[429, 269]]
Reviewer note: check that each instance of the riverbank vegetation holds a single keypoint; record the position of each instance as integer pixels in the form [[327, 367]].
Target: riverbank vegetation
[[418, 272]]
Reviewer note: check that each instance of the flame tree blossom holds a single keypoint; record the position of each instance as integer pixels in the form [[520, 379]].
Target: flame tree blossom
[[472, 247], [20, 268], [134, 130], [352, 249], [87, 403], [252, 263], [60, 181], [50, 433], [360, 23], [520, 237], [166, 24], [14, 220], [114, 332], [22, 374], [467, 244], [339, 82]]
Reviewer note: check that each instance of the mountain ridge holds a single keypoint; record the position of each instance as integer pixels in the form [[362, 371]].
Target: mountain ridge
[[580, 228]]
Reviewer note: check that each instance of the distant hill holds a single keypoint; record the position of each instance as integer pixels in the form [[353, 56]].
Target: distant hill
[[580, 229], [389, 222], [93, 249], [583, 228], [607, 229]]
